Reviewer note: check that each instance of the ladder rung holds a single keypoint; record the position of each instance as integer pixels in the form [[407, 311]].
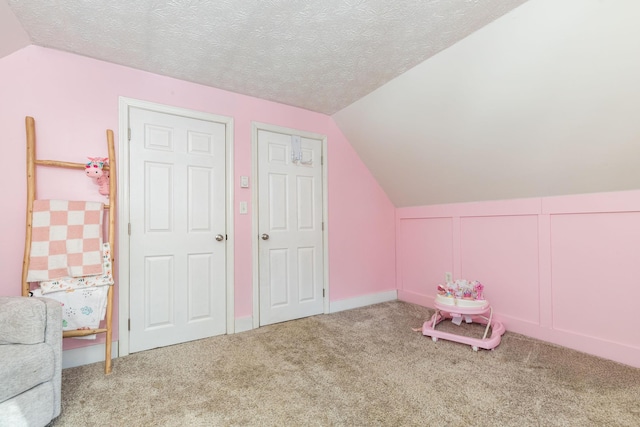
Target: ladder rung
[[68, 165], [82, 332]]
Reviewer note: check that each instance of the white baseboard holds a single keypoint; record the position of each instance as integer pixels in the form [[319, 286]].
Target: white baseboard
[[87, 355], [362, 301], [244, 324]]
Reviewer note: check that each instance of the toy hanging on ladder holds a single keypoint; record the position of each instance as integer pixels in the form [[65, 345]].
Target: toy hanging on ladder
[[94, 169]]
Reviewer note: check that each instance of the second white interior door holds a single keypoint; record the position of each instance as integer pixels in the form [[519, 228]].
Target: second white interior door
[[290, 209]]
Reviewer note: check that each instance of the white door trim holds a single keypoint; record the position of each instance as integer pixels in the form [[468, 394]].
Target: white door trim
[[255, 127], [123, 253]]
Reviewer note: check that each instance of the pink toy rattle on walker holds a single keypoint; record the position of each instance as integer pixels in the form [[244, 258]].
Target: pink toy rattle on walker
[[94, 170]]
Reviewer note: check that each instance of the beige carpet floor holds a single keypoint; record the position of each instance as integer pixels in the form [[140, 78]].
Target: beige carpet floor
[[363, 367]]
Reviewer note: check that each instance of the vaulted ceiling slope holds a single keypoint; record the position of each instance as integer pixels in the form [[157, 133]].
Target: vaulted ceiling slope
[[319, 55], [543, 101]]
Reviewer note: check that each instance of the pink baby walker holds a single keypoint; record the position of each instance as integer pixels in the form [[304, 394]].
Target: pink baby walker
[[464, 300]]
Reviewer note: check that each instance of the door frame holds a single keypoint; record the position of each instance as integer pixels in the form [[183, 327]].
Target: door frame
[[122, 266], [255, 127]]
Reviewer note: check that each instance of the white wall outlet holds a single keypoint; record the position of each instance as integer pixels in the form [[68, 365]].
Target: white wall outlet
[[448, 277], [243, 208]]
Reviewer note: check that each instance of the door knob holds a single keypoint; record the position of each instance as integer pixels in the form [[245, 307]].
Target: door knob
[[219, 237], [265, 236]]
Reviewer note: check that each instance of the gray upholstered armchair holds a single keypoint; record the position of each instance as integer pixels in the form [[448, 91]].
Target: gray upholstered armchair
[[30, 360]]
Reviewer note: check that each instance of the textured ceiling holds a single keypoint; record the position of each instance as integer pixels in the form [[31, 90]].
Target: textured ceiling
[[320, 55]]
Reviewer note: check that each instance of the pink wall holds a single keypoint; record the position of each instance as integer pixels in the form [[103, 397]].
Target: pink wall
[[74, 99], [561, 269]]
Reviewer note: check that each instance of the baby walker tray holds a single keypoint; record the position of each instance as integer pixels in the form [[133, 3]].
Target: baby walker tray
[[462, 300]]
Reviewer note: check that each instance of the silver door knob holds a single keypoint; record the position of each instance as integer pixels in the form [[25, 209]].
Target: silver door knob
[[219, 237], [265, 236]]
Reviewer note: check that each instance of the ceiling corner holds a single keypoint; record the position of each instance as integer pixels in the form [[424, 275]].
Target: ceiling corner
[[13, 37]]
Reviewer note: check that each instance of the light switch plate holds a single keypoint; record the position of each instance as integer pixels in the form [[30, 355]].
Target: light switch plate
[[243, 208], [244, 182]]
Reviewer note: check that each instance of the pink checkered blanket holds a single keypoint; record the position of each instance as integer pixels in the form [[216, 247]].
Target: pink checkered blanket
[[66, 240]]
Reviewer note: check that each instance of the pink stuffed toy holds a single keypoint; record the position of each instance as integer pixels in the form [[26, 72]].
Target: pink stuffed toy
[[93, 169]]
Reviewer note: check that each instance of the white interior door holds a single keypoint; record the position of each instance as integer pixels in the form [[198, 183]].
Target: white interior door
[[178, 229], [290, 208]]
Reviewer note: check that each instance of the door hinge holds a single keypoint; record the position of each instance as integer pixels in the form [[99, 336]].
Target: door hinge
[[321, 160], [323, 226], [129, 324], [129, 134], [129, 229], [323, 293]]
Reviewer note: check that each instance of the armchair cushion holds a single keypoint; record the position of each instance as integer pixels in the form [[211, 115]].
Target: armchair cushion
[[31, 361], [24, 366], [23, 321]]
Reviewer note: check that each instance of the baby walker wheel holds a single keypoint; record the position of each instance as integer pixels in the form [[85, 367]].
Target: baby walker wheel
[[435, 339], [475, 348]]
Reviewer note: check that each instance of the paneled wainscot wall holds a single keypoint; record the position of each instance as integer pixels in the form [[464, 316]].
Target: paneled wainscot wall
[[561, 269]]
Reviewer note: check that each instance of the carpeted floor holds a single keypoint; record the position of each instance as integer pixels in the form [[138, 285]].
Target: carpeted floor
[[363, 367]]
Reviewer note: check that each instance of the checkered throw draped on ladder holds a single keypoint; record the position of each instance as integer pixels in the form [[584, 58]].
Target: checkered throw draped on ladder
[[66, 239]]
